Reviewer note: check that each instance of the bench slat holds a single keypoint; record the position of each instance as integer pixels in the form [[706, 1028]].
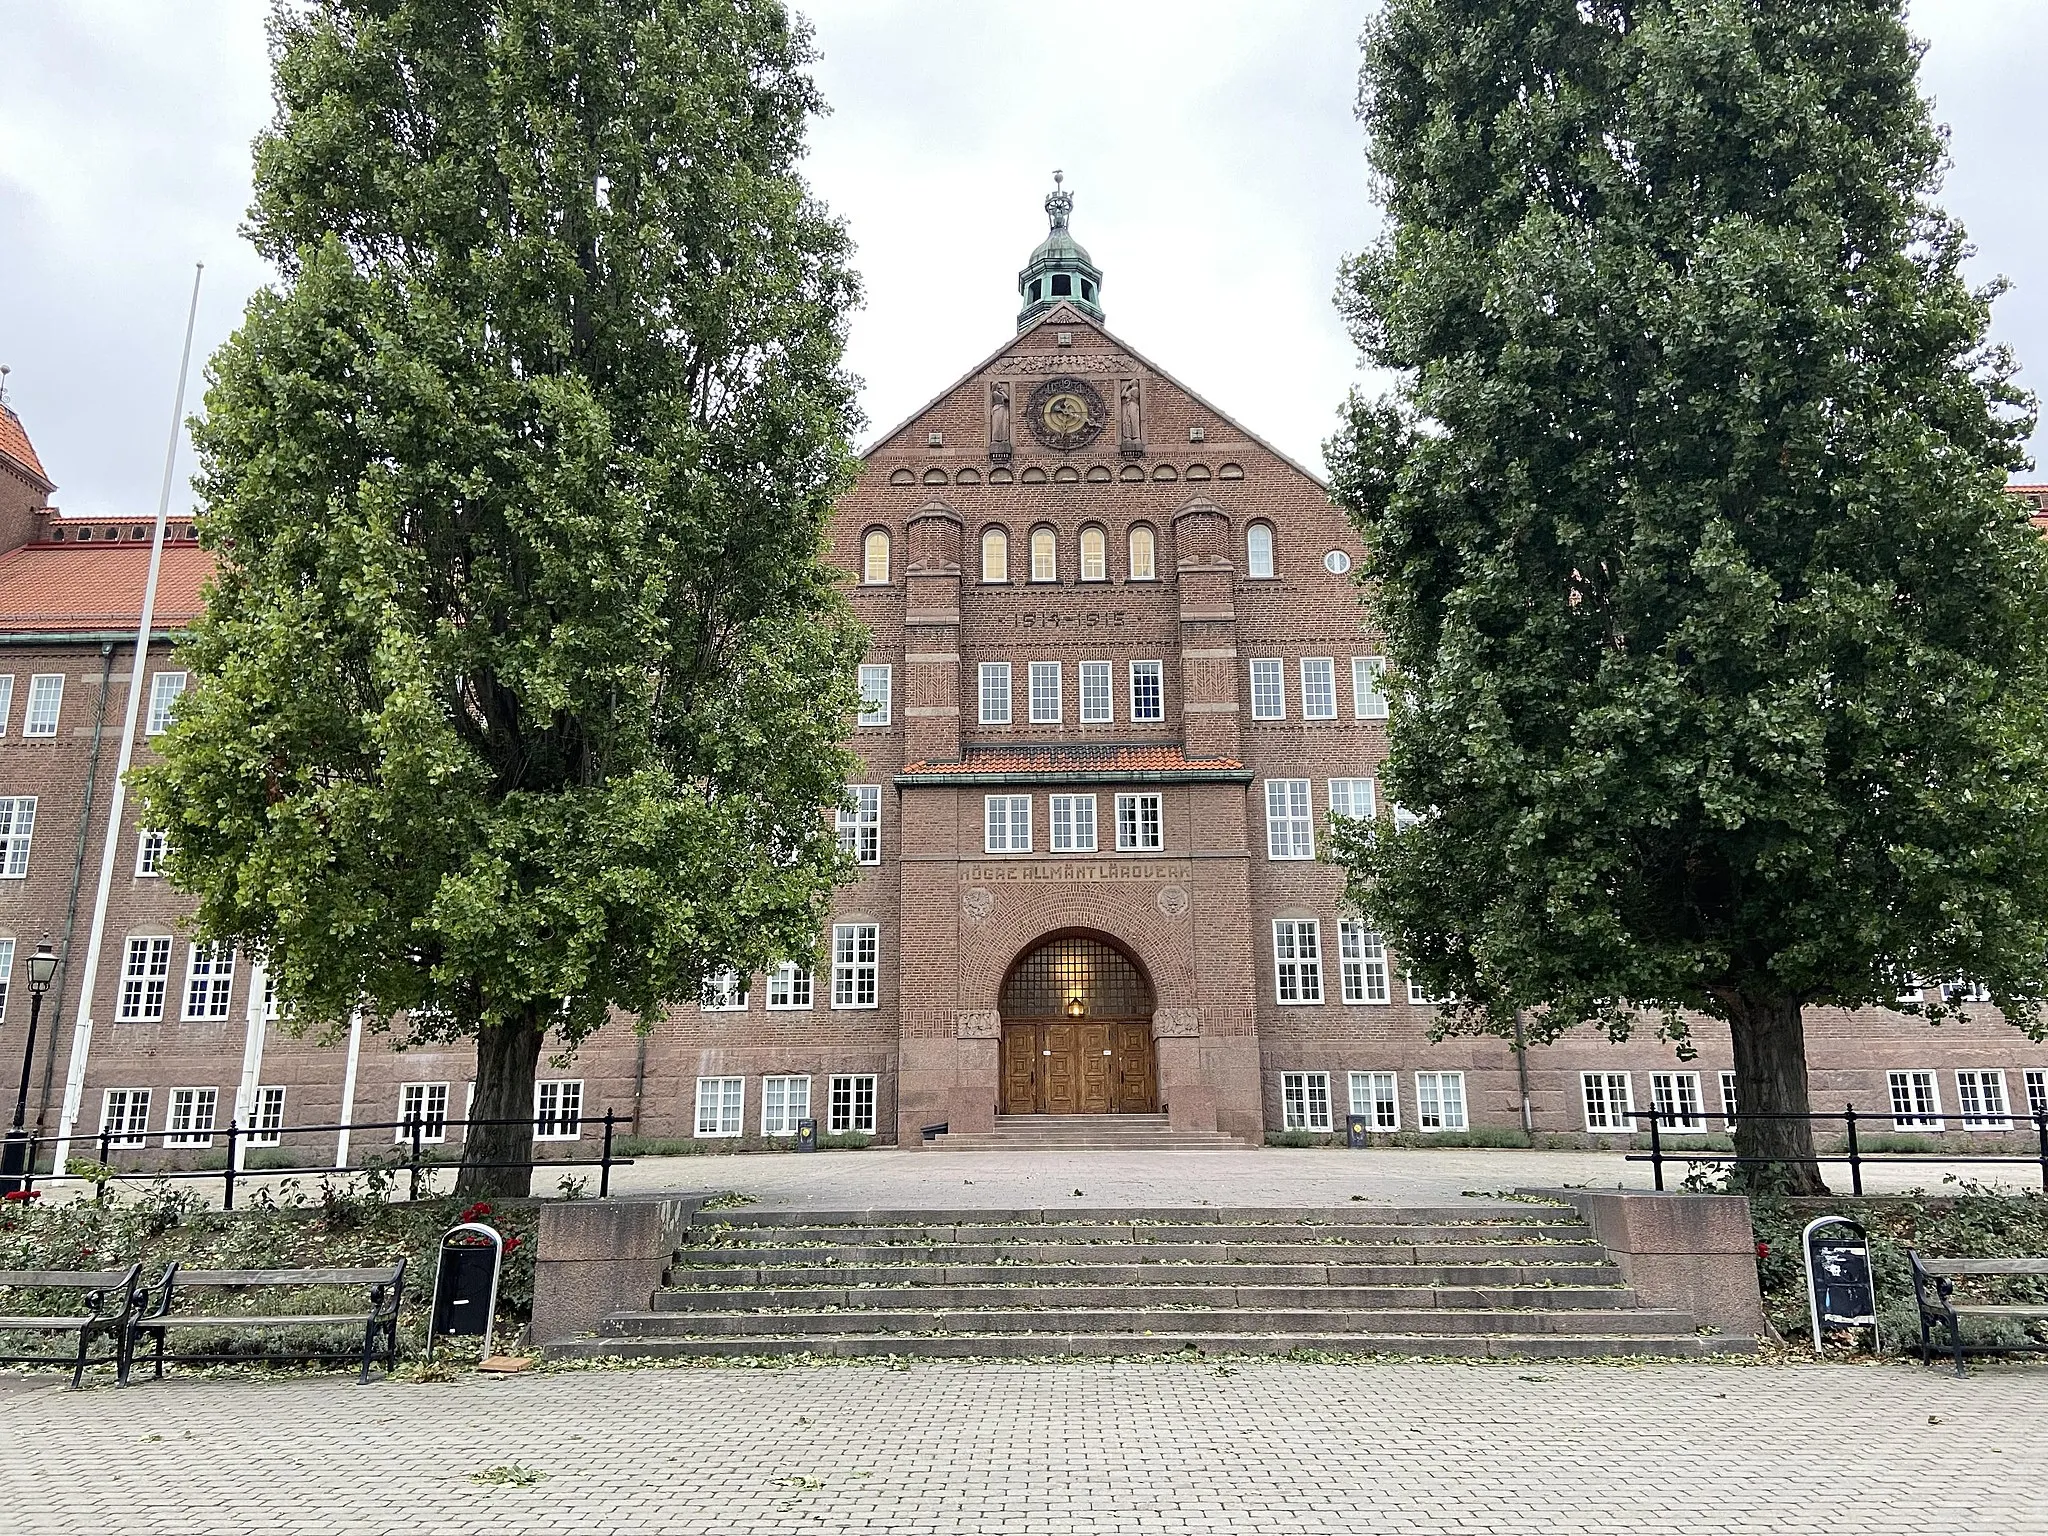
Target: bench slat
[[230, 1278], [2000, 1311], [68, 1324], [289, 1320], [64, 1279], [1985, 1266]]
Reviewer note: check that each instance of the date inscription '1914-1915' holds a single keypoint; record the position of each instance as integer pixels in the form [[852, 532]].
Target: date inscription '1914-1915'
[[1079, 619]]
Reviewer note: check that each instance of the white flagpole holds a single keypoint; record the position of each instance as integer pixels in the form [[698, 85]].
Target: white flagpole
[[81, 1036]]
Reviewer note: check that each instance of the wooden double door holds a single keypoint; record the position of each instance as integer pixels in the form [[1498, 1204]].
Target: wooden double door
[[1079, 1067]]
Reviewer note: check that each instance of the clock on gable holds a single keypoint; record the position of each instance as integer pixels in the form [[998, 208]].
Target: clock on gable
[[1066, 414]]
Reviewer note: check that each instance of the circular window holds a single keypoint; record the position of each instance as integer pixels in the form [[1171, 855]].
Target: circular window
[[1336, 562]]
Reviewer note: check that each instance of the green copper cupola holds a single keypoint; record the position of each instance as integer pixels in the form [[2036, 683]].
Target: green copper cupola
[[1059, 271]]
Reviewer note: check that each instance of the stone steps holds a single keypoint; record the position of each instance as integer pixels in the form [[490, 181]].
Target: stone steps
[[1149, 1254], [1083, 1133], [970, 1298], [1142, 1320], [1035, 1346], [694, 1275]]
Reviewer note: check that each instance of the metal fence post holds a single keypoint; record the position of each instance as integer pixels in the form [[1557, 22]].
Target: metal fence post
[[1656, 1148], [604, 1171], [414, 1125], [106, 1146], [2041, 1128], [1855, 1158], [228, 1174]]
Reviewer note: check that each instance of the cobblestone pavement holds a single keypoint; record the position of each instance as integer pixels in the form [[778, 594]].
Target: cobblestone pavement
[[981, 1450]]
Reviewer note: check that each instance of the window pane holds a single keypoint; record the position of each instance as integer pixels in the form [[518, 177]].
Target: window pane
[[1046, 691], [1269, 690], [875, 558], [1258, 542], [995, 693], [1147, 698], [1368, 700], [874, 692], [45, 704], [1094, 555], [1318, 688], [1045, 561], [1141, 554], [995, 555], [1096, 693]]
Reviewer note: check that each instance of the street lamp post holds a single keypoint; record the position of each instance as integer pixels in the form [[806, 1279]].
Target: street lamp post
[[14, 1155]]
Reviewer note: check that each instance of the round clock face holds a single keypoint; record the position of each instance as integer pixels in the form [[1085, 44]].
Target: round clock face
[[1066, 414]]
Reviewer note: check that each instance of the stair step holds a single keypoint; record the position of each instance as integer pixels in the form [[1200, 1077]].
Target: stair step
[[1382, 1234], [1016, 1346], [1254, 1217], [953, 1298], [1149, 1254], [1488, 1275], [1139, 1321]]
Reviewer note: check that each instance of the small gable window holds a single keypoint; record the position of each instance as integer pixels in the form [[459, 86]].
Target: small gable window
[[1062, 286], [995, 555], [1094, 555], [1258, 550], [1141, 553], [1036, 292], [874, 558], [1045, 555]]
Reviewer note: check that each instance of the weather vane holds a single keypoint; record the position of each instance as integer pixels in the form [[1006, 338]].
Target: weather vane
[[1061, 203]]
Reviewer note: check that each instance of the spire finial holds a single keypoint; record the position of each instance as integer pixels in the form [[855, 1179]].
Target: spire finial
[[4, 371], [1061, 203]]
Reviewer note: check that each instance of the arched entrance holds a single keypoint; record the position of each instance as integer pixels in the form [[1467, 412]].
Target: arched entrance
[[1077, 1032]]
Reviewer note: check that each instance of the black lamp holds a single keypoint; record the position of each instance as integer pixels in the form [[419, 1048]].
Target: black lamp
[[14, 1155]]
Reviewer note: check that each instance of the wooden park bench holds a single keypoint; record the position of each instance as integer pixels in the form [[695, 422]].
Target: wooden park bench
[[106, 1303], [161, 1312], [1934, 1291]]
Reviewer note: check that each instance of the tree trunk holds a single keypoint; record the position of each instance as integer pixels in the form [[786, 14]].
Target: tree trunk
[[1770, 1079], [506, 1054]]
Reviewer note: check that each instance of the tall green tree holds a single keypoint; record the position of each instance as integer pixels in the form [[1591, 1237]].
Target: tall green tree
[[521, 691], [1720, 658]]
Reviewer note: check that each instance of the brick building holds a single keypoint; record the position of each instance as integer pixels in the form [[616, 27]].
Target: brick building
[[1119, 682]]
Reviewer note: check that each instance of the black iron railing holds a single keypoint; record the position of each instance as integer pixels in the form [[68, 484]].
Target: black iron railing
[[1853, 1122]]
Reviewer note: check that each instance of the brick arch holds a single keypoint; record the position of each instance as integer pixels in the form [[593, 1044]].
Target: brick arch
[[1121, 913], [1108, 941]]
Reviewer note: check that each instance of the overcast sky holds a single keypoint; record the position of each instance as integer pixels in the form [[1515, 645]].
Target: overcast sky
[[1218, 174]]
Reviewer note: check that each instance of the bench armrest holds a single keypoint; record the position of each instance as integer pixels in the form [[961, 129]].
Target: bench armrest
[[154, 1300], [116, 1303]]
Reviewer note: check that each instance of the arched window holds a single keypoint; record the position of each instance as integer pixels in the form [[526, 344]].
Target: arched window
[[1045, 555], [1094, 555], [995, 555], [874, 558], [1258, 549], [1141, 554]]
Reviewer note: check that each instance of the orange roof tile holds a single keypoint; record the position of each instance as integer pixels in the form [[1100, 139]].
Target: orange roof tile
[[18, 450], [92, 587], [1023, 764], [2036, 498]]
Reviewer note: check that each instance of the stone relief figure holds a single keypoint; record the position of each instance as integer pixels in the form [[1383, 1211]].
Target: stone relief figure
[[1129, 428], [999, 415]]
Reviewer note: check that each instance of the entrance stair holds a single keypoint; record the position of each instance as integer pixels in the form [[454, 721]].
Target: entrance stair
[[1473, 1282], [1081, 1133]]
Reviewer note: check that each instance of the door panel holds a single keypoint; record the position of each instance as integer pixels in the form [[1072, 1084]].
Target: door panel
[[1097, 1064], [1136, 1081], [1020, 1069], [1053, 1067], [1061, 1089]]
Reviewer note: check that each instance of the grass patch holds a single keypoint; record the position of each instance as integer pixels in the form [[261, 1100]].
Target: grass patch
[[511, 1475]]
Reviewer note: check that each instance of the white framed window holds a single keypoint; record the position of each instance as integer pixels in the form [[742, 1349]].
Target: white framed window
[[724, 992], [721, 1106], [6, 700], [1376, 1099], [1965, 992], [1269, 688], [209, 981], [860, 823], [149, 853], [1369, 687], [1361, 963], [1728, 1100], [1440, 1101], [145, 978], [1045, 555], [1297, 960], [45, 704], [1098, 695], [1305, 1101], [784, 1101], [874, 558], [6, 974], [1913, 992], [1610, 1105], [1675, 1096], [1139, 828], [995, 693], [1419, 998], [877, 684], [1353, 799], [266, 1117], [1073, 823], [1094, 555], [1290, 820], [1318, 688], [1006, 823], [856, 964], [995, 556], [2037, 1091], [17, 830], [1980, 1100], [1142, 546], [1916, 1100], [789, 988], [190, 1123], [1047, 693], [1148, 692], [269, 992], [165, 689], [852, 1104], [558, 1109], [425, 1105], [124, 1117], [1258, 550]]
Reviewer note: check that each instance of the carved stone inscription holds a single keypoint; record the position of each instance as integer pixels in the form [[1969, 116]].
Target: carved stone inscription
[[1067, 362], [1054, 620], [1069, 872]]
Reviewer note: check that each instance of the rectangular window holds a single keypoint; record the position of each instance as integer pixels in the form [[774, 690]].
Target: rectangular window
[[1290, 823], [1965, 992], [17, 829], [1376, 1098], [1148, 693], [2037, 1092], [1368, 687], [1006, 823], [860, 823], [995, 693], [1138, 825], [1097, 695], [1675, 1096], [124, 1117], [1980, 1099], [1297, 960], [1318, 688], [1269, 690], [1421, 999], [853, 1105], [1362, 963], [6, 700], [724, 992], [784, 1101], [191, 1119], [1353, 799], [558, 1110], [1916, 1101], [145, 978], [876, 685], [1728, 1100], [165, 689], [721, 1103], [1305, 1101], [856, 964], [1609, 1103], [6, 973], [425, 1105], [149, 853], [1073, 823], [1440, 1101], [209, 981], [789, 987], [266, 1118], [1047, 693], [45, 704]]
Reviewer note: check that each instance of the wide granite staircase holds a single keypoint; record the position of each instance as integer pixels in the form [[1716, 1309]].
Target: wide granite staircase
[[1475, 1282], [1085, 1133]]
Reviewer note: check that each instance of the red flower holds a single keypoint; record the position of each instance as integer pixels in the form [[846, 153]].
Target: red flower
[[511, 1243], [22, 1194], [1763, 1249], [480, 1209]]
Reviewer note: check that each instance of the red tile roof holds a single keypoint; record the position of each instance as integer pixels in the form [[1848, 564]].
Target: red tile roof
[[91, 587], [19, 451], [2036, 497], [1022, 763]]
